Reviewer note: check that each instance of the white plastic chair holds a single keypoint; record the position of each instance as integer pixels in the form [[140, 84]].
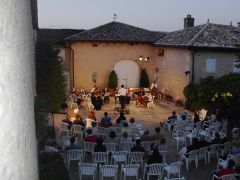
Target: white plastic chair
[[126, 146], [136, 157], [111, 148], [153, 170], [146, 145], [100, 157], [182, 178], [191, 135], [77, 131], [108, 171], [88, 147], [63, 129], [120, 157], [226, 148], [192, 155], [179, 137], [225, 177], [173, 168], [87, 169], [170, 123], [213, 149], [203, 154], [74, 155], [151, 103], [130, 170], [164, 155]]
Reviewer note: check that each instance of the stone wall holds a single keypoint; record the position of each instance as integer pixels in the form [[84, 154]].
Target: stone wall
[[17, 134], [224, 63]]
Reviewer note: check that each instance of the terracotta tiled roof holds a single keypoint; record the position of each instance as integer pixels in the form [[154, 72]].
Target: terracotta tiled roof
[[117, 32], [206, 35], [55, 35]]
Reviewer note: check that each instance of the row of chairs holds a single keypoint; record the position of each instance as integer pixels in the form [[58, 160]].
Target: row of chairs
[[130, 170], [205, 153]]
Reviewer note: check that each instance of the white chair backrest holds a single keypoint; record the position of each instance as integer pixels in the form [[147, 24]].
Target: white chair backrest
[[203, 150], [76, 154], [87, 168], [228, 177], [126, 146], [136, 156], [88, 146], [131, 169], [77, 128], [193, 154], [100, 157], [108, 170], [175, 167], [64, 126], [120, 156], [111, 147], [155, 169]]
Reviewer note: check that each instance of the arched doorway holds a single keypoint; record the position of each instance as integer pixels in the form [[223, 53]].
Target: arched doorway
[[127, 73]]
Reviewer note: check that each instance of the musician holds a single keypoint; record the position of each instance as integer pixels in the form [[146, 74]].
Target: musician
[[122, 92], [153, 85]]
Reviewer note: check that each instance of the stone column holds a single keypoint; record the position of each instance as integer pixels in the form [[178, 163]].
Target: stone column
[[17, 86]]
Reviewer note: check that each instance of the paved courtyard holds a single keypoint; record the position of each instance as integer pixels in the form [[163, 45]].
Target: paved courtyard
[[151, 118]]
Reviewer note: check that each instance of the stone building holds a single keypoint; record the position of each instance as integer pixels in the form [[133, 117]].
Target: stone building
[[173, 59]]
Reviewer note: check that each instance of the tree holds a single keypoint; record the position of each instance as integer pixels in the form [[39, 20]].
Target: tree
[[50, 79], [144, 80], [112, 80]]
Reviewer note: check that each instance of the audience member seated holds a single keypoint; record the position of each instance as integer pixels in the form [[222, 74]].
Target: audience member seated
[[230, 169], [100, 147], [196, 118], [125, 128], [67, 120], [158, 135], [91, 120], [173, 116], [126, 138], [162, 146], [132, 123], [195, 145], [79, 121], [107, 119], [235, 149], [120, 118], [112, 137], [90, 137], [184, 115], [217, 139], [138, 147], [146, 136], [72, 145], [155, 157]]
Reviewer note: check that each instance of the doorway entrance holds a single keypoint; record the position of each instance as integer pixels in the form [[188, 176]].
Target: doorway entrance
[[127, 73]]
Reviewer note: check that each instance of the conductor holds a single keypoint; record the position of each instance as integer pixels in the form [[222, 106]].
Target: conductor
[[122, 92]]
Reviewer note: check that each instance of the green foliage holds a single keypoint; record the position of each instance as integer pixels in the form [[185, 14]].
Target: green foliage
[[51, 166], [112, 80], [50, 79], [221, 93], [144, 80]]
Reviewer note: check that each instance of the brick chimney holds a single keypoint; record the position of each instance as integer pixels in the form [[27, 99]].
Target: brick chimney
[[188, 21]]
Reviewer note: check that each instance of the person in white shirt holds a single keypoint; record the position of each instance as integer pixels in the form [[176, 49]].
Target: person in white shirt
[[122, 92], [153, 85]]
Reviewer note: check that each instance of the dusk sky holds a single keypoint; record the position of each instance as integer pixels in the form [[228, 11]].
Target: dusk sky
[[158, 15]]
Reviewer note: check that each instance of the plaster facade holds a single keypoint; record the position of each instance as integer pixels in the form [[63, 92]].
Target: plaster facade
[[17, 87], [172, 66], [100, 58]]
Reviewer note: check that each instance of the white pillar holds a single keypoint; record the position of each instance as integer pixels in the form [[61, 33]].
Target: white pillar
[[18, 151]]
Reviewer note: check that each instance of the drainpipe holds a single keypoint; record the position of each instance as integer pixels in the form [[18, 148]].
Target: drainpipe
[[193, 64]]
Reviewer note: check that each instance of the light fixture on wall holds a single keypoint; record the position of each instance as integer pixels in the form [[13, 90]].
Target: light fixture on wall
[[142, 58], [187, 73]]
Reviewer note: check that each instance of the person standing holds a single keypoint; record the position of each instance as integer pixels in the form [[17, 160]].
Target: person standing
[[122, 94]]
